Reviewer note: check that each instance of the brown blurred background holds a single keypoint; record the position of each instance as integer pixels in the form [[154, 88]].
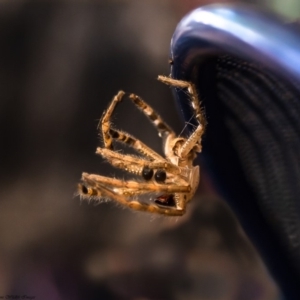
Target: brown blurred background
[[60, 64]]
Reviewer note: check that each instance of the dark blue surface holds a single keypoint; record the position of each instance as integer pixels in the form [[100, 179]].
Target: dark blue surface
[[238, 30], [262, 38]]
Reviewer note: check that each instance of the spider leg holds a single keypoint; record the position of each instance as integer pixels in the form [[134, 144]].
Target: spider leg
[[191, 89], [193, 140], [105, 120], [134, 185], [195, 137], [97, 190], [162, 128], [109, 134], [133, 164], [136, 144]]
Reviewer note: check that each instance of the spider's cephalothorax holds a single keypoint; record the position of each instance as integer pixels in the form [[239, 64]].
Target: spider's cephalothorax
[[168, 182]]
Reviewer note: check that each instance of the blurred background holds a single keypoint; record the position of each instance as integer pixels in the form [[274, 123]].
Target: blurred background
[[60, 64]]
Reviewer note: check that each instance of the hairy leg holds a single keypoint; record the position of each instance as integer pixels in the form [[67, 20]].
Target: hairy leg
[[101, 191], [162, 128], [136, 144], [195, 137], [191, 89], [104, 123], [134, 164], [134, 185]]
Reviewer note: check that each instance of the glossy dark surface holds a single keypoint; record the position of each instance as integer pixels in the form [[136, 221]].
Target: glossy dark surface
[[241, 31], [267, 118]]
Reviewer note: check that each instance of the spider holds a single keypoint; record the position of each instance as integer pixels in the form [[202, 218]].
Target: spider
[[169, 182]]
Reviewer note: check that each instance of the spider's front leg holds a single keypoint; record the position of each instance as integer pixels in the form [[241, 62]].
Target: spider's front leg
[[192, 91], [196, 136]]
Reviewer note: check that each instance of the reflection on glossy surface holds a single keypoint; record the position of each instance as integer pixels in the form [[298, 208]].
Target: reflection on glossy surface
[[242, 31]]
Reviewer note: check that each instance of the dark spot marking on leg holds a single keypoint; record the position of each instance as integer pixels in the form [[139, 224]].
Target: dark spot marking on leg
[[138, 101], [162, 127], [114, 134], [153, 116], [129, 140], [84, 190]]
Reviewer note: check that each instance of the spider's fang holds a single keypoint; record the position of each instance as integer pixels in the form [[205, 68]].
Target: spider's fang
[[165, 200], [160, 176], [147, 173]]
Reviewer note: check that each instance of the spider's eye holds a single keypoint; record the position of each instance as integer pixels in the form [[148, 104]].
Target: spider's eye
[[160, 176], [147, 173], [84, 190]]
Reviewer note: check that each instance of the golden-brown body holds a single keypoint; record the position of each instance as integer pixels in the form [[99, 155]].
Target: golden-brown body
[[169, 182]]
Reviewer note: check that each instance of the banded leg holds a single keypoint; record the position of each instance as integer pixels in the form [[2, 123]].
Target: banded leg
[[195, 137], [105, 120], [136, 144], [162, 128], [109, 134], [101, 191], [191, 89], [99, 180], [193, 140], [133, 164]]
